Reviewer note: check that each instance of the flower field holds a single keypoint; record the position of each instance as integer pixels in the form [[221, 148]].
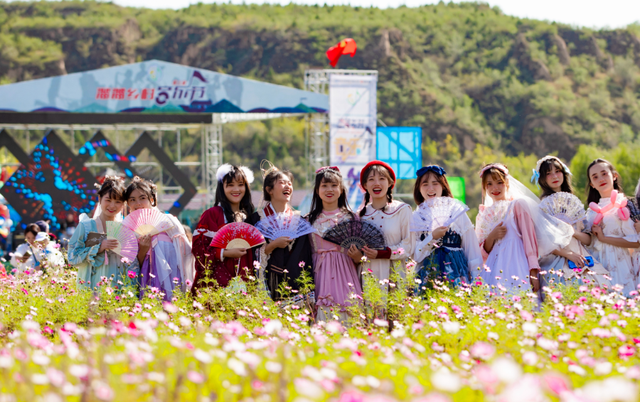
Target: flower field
[[61, 342]]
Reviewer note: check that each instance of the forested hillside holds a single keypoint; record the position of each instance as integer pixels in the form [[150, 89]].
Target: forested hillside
[[466, 73]]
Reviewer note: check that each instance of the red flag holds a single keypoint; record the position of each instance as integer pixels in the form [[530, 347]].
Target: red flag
[[346, 46]]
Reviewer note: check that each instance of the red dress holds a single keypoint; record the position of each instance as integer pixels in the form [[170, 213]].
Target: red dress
[[208, 259]]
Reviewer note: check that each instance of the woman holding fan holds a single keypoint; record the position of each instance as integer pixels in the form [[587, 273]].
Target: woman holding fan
[[391, 217], [284, 259], [336, 273], [164, 250], [89, 249], [232, 204], [447, 242]]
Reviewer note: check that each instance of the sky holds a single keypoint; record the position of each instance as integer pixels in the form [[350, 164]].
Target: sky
[[586, 13]]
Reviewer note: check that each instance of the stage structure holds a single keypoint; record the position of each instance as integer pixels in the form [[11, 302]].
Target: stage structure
[[137, 106], [346, 137]]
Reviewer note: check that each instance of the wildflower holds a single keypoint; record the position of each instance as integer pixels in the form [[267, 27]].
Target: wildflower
[[125, 260], [482, 350], [445, 380], [451, 327], [103, 391], [301, 264], [131, 274], [195, 377], [626, 351], [237, 367]]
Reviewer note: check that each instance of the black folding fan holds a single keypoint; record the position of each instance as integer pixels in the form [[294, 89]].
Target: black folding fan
[[356, 232]]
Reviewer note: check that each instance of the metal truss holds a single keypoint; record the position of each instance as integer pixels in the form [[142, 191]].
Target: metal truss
[[317, 127]]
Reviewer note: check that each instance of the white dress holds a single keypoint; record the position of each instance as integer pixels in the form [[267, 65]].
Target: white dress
[[394, 223], [515, 254], [617, 260], [561, 264]]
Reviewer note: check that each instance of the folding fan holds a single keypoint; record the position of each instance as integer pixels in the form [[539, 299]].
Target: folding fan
[[488, 218], [237, 235], [634, 210], [147, 221], [564, 206], [127, 241], [279, 225], [436, 212], [356, 232]]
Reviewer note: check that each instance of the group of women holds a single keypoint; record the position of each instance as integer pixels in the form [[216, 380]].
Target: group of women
[[519, 240]]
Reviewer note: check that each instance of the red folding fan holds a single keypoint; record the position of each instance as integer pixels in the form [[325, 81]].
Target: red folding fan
[[237, 235]]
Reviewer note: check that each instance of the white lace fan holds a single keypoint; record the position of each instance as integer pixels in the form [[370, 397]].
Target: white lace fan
[[564, 206], [436, 212], [279, 225], [489, 217]]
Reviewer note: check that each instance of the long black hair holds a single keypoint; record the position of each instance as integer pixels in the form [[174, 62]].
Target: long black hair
[[545, 168], [246, 206], [328, 175], [593, 195]]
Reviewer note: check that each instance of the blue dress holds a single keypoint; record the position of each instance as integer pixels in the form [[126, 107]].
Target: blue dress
[[454, 258], [93, 266]]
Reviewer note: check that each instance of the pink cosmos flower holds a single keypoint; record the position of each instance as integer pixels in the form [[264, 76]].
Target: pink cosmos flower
[[195, 377], [131, 274], [557, 384], [482, 350], [626, 351]]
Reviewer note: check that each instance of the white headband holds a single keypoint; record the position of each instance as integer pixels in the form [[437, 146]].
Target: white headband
[[226, 168], [536, 172]]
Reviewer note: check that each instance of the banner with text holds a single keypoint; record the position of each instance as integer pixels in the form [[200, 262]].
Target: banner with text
[[352, 118]]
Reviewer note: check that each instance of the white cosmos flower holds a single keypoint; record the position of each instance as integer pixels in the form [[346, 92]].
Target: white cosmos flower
[[451, 327], [202, 356], [237, 367], [273, 367], [530, 329], [617, 389], [273, 327], [506, 369], [444, 380]]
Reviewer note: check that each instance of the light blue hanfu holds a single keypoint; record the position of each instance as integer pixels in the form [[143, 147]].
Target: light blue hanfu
[[93, 266]]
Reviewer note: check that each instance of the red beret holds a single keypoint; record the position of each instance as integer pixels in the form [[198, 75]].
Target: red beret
[[381, 163]]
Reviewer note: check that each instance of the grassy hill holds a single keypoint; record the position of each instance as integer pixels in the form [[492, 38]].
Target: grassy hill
[[483, 85]]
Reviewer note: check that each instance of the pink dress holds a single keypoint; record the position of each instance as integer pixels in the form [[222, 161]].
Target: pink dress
[[336, 275], [516, 253]]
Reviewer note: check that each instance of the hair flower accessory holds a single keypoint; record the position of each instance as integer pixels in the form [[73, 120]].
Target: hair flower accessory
[[224, 170], [431, 168]]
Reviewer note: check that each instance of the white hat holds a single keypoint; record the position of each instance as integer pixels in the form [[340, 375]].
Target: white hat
[[42, 236]]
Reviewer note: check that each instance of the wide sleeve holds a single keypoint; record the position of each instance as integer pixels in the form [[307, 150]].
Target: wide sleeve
[[628, 230], [524, 222], [424, 245], [208, 225], [470, 244], [79, 254], [404, 249]]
